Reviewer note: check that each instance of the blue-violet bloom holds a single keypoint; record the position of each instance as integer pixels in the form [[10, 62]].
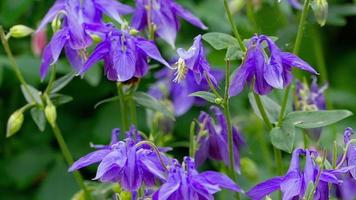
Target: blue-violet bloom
[[73, 35], [263, 71], [213, 139], [294, 184], [193, 60], [163, 15], [125, 56], [186, 183], [124, 162]]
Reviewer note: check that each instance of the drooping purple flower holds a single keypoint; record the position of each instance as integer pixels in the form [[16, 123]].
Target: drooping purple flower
[[186, 183], [124, 162], [164, 15], [213, 139], [346, 190], [179, 93], [193, 60], [73, 35], [311, 99], [264, 71], [294, 184], [351, 152], [125, 56]]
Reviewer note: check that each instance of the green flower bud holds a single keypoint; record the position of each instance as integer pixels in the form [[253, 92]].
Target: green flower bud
[[19, 31], [268, 198], [134, 31], [14, 123], [51, 113], [95, 38], [320, 8], [319, 160], [79, 195], [249, 169], [125, 195], [219, 101]]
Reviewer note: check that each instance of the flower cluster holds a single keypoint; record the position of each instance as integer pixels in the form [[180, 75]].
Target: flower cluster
[[295, 183], [134, 162]]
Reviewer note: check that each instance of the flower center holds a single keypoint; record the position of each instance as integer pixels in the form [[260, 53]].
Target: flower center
[[181, 70]]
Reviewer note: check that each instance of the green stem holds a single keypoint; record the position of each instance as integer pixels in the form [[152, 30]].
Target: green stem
[[251, 15], [319, 54], [51, 80], [296, 48], [277, 152], [334, 155], [211, 85], [233, 26], [69, 159], [151, 28], [192, 140], [262, 111], [121, 96], [14, 64], [132, 107], [226, 107]]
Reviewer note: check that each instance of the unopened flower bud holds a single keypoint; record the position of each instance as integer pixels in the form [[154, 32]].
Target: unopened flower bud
[[248, 168], [125, 195], [56, 23], [134, 31], [19, 31], [95, 38], [320, 8], [14, 123], [268, 198], [51, 113], [219, 101], [319, 160], [39, 40]]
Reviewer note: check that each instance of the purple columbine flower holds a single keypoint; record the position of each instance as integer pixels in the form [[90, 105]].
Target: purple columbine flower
[[186, 183], [311, 99], [351, 152], [213, 139], [193, 60], [294, 184], [266, 72], [163, 14], [125, 56], [346, 190], [179, 93], [73, 36], [124, 162]]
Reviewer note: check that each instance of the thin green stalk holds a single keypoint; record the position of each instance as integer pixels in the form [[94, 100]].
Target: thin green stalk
[[123, 112], [226, 107], [51, 80], [297, 44], [233, 26], [192, 140], [262, 111], [69, 159], [14, 64], [334, 155], [277, 152], [132, 107], [251, 15], [319, 54]]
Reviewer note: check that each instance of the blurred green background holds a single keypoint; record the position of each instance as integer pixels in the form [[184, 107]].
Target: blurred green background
[[31, 165]]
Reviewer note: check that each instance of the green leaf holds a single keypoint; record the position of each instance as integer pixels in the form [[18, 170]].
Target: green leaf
[[60, 99], [111, 99], [220, 41], [150, 102], [39, 118], [93, 76], [208, 96], [233, 53], [272, 108], [62, 82], [31, 92], [316, 119], [283, 137]]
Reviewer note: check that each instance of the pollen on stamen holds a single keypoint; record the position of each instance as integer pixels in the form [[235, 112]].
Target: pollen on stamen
[[181, 72]]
